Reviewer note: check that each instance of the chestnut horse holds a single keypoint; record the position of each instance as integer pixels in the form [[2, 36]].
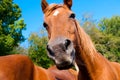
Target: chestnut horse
[[68, 42], [19, 67]]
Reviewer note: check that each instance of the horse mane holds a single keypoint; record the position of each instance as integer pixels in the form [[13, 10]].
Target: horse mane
[[84, 42], [51, 8]]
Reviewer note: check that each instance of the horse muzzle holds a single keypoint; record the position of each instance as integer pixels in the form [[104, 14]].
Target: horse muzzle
[[62, 53]]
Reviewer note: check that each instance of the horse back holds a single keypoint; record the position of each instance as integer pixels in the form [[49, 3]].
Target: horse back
[[16, 67]]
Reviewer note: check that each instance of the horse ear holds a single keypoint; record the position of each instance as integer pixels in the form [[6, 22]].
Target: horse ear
[[44, 5], [68, 3]]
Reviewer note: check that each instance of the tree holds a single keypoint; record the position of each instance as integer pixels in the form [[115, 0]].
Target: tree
[[19, 50], [37, 49], [11, 26], [110, 27]]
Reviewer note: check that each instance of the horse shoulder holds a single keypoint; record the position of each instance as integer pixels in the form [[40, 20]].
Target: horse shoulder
[[116, 67], [112, 71]]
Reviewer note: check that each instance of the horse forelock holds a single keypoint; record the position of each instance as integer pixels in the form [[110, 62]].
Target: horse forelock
[[51, 8], [84, 43]]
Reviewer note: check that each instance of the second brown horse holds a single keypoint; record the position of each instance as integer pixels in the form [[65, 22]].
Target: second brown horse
[[19, 67]]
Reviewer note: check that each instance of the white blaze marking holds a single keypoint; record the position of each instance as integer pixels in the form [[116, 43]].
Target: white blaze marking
[[56, 13]]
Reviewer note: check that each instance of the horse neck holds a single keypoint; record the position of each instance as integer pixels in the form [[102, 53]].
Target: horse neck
[[87, 58]]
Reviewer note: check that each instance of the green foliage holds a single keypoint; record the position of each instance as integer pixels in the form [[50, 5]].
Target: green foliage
[[111, 31], [37, 49], [110, 26], [106, 36], [6, 44], [19, 50], [10, 26]]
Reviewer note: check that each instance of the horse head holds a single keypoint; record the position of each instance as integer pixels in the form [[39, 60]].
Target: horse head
[[59, 22]]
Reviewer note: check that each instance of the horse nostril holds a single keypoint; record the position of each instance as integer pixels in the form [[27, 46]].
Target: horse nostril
[[50, 51], [67, 43]]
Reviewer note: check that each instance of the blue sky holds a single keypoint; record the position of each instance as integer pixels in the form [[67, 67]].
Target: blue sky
[[33, 16]]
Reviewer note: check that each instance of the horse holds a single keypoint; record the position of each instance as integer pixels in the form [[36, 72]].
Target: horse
[[69, 43], [20, 67]]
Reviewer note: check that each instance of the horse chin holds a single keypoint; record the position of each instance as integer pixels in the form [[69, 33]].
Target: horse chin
[[67, 64], [64, 67]]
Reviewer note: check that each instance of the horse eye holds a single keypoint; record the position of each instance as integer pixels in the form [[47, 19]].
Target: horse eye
[[72, 16], [45, 25]]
